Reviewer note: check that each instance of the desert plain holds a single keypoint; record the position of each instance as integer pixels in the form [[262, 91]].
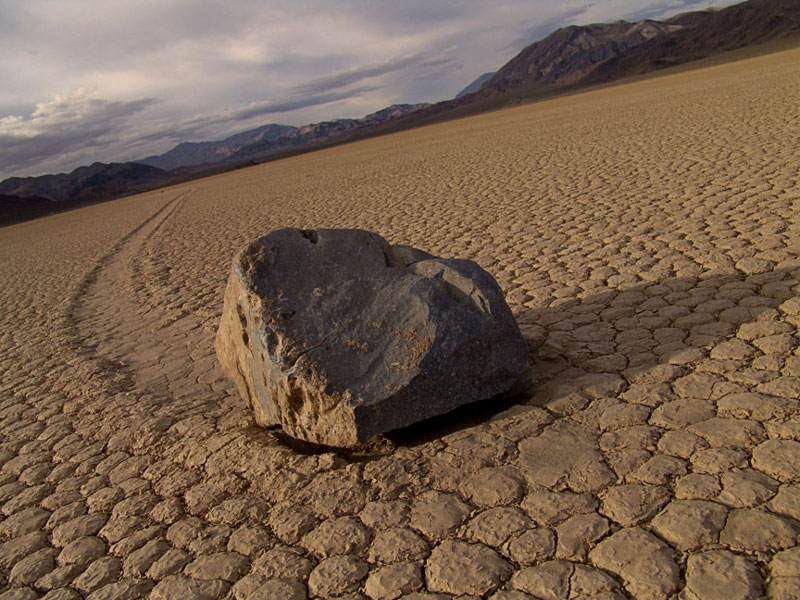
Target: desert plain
[[646, 236]]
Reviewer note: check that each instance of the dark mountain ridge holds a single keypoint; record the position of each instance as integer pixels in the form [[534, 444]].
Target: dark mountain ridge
[[14, 209], [571, 53], [584, 55], [706, 33], [23, 198], [86, 184]]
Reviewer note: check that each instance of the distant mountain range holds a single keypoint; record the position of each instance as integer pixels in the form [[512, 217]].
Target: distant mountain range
[[87, 183], [269, 138], [568, 59], [23, 198], [316, 134], [201, 153]]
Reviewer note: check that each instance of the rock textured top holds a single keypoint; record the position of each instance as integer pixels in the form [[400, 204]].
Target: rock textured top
[[336, 335]]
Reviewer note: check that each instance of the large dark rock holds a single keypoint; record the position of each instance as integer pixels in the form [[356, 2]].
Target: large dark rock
[[337, 336]]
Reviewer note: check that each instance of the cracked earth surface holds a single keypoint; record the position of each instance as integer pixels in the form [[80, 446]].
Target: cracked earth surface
[[647, 238]]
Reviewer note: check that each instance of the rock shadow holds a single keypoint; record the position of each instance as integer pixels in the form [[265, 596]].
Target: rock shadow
[[600, 343]]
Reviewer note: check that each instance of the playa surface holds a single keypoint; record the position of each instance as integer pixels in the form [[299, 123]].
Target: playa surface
[[647, 238]]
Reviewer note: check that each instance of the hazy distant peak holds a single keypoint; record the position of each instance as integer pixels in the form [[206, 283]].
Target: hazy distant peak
[[475, 85]]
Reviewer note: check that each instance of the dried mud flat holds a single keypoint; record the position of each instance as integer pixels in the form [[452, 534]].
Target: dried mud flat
[[647, 238]]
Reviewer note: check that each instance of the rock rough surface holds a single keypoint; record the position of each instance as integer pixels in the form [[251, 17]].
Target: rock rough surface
[[336, 336]]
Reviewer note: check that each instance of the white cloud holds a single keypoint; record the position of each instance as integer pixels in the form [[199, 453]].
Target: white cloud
[[65, 126]]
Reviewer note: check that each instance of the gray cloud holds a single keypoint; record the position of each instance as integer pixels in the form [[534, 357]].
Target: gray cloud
[[283, 106], [542, 28], [351, 76], [64, 126]]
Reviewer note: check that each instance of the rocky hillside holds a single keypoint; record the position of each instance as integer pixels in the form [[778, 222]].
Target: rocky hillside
[[187, 154], [570, 54], [706, 33], [580, 55], [315, 134], [269, 139]]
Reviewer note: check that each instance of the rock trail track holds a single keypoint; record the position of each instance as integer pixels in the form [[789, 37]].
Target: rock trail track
[[647, 237]]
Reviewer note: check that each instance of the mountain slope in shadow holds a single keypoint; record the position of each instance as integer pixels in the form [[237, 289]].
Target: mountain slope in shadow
[[583, 55]]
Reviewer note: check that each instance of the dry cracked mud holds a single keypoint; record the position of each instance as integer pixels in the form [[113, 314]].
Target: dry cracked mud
[[647, 238]]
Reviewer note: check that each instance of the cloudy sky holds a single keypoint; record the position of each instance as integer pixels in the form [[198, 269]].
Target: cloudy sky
[[112, 80]]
